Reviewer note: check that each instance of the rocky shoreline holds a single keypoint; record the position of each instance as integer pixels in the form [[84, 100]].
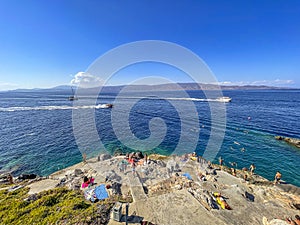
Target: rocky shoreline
[[175, 190]]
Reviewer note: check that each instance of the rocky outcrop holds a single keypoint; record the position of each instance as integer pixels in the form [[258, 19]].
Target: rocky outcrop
[[292, 141], [163, 194], [103, 157], [172, 166]]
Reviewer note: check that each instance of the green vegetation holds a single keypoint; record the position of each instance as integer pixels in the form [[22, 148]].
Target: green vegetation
[[56, 206]]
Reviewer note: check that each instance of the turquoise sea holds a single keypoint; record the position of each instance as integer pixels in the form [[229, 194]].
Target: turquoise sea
[[36, 133]]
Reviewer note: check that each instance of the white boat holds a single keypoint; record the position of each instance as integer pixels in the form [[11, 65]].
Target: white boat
[[224, 99], [72, 97]]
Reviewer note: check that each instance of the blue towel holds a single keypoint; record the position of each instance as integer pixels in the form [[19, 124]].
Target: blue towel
[[187, 175], [101, 192]]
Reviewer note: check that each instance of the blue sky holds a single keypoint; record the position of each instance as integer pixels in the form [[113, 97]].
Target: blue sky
[[46, 43]]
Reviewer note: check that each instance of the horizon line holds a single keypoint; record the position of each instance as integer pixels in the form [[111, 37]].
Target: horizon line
[[180, 83]]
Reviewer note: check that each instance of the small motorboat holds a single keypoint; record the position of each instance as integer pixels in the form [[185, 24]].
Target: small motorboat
[[223, 99], [109, 105], [72, 98]]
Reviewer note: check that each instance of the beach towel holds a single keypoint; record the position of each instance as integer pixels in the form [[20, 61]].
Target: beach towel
[[101, 192], [249, 196], [90, 195], [187, 175]]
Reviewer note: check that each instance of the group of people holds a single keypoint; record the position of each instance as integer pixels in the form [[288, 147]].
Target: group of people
[[295, 221], [252, 168], [135, 158]]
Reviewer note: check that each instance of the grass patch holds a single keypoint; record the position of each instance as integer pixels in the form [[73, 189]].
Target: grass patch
[[56, 206]]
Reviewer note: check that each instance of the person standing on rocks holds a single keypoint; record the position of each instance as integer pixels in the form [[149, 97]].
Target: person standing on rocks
[[84, 158], [245, 177], [252, 168], [133, 165], [123, 166], [277, 177], [145, 159], [233, 171], [221, 161]]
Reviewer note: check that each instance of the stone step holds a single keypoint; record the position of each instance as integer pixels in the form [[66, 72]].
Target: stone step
[[136, 188]]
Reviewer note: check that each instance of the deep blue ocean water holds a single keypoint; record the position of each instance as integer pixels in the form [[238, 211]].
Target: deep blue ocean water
[[36, 133]]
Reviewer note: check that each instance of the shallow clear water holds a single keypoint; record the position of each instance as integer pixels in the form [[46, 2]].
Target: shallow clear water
[[36, 133]]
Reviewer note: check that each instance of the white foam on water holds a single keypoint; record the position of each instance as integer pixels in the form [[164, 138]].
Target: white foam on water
[[53, 107]]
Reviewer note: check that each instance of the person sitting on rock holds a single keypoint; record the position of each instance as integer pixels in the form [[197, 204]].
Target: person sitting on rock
[[201, 177], [184, 158], [87, 182], [209, 166], [244, 169], [193, 156], [10, 178]]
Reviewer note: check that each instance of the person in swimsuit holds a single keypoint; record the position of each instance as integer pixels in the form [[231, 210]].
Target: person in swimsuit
[[133, 165], [277, 177], [252, 168]]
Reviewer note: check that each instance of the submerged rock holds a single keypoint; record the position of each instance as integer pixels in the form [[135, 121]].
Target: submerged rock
[[78, 172], [27, 176], [273, 222], [292, 141]]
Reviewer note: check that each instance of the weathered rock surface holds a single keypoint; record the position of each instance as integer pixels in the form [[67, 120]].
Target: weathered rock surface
[[163, 195], [105, 157]]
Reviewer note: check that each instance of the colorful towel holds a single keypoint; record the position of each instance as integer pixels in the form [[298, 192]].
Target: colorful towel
[[101, 192], [187, 175], [90, 195]]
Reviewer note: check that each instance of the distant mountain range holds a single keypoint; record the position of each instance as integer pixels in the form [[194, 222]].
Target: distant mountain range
[[158, 87]]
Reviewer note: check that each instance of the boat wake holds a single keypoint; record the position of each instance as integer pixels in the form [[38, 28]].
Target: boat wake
[[220, 99], [55, 107]]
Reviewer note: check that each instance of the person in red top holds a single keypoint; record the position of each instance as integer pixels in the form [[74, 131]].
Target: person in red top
[[87, 181]]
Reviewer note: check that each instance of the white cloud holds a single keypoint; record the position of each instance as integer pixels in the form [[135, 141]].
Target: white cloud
[[232, 83], [7, 86], [284, 81], [277, 82], [84, 79]]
